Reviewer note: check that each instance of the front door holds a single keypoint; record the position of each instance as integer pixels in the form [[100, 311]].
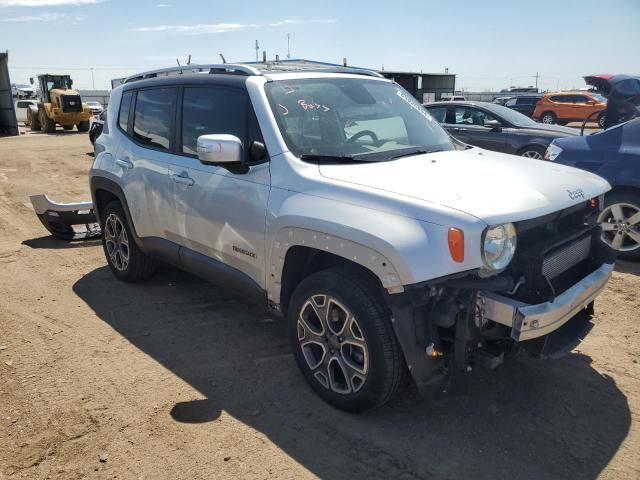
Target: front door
[[467, 124], [218, 213]]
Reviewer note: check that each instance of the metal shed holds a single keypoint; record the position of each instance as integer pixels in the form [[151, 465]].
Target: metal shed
[[8, 122]]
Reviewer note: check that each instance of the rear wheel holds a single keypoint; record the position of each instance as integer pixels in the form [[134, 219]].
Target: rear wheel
[[343, 342], [620, 222], [532, 151], [126, 260], [602, 120], [548, 118], [84, 126]]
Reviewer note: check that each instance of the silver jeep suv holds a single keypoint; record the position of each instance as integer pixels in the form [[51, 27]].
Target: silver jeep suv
[[334, 198]]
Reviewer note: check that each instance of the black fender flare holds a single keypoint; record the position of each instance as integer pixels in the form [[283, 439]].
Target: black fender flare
[[101, 183]]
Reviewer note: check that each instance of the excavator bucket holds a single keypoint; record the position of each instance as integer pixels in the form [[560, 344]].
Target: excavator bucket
[[67, 221]]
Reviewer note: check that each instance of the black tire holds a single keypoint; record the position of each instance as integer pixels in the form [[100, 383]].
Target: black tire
[[84, 126], [531, 151], [550, 116], [385, 367], [68, 127], [562, 122], [629, 201], [34, 122], [139, 265], [48, 125], [602, 120]]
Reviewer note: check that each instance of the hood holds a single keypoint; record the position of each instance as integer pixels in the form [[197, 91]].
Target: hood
[[493, 187], [551, 130]]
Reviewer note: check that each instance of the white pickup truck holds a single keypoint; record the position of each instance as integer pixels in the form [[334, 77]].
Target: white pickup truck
[[335, 199]]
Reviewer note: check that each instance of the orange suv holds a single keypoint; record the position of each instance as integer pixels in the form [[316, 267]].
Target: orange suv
[[564, 107]]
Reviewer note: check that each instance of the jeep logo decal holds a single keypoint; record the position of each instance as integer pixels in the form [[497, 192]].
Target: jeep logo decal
[[573, 194]]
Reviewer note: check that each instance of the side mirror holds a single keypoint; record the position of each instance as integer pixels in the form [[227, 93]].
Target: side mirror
[[493, 124], [221, 150]]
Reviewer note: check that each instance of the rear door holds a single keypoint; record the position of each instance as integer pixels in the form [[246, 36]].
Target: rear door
[[467, 124], [147, 118], [218, 213]]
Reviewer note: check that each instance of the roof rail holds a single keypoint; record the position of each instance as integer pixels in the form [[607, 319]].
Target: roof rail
[[232, 68]]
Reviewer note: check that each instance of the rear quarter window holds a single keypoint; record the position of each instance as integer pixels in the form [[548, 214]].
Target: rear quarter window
[[125, 108]]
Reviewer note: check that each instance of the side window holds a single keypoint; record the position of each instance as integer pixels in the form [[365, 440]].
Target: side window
[[511, 102], [439, 113], [213, 110], [125, 107], [153, 117], [471, 116], [580, 99], [558, 99]]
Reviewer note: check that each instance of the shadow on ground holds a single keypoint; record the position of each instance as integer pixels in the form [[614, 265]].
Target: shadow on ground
[[527, 420], [51, 242], [624, 266]]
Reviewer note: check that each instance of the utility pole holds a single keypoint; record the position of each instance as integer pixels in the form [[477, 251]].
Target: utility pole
[[537, 76], [93, 82], [257, 48], [288, 46]]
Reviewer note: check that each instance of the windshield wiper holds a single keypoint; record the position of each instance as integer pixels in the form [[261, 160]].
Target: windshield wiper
[[310, 157]]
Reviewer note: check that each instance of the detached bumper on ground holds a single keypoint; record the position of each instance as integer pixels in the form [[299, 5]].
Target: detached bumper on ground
[[67, 221]]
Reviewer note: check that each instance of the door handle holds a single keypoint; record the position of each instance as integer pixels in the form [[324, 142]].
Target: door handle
[[458, 129], [125, 163], [183, 179]]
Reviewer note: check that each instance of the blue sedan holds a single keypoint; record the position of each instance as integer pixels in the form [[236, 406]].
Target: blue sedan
[[614, 154]]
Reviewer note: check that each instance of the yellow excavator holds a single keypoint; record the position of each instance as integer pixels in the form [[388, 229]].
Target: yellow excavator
[[60, 104]]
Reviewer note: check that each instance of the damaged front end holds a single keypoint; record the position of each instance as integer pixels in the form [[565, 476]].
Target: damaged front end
[[67, 221], [542, 302]]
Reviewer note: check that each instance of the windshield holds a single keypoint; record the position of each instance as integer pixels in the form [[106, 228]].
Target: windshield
[[359, 119], [511, 116]]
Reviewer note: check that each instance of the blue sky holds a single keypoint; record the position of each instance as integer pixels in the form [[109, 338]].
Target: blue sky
[[490, 44]]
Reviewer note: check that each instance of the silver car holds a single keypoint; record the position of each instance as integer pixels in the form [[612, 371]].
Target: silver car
[[335, 199]]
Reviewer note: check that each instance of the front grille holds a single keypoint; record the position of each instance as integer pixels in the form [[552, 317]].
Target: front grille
[[554, 252], [566, 257], [71, 103]]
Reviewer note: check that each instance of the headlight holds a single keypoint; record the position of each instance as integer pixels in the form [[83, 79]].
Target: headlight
[[498, 247], [552, 152]]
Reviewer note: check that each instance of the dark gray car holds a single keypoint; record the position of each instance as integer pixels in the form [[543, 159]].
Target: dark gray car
[[497, 128]]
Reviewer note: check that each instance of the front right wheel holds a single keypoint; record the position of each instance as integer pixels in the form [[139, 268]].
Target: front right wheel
[[343, 341]]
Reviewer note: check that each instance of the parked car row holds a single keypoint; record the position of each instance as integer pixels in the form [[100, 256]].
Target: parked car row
[[495, 127]]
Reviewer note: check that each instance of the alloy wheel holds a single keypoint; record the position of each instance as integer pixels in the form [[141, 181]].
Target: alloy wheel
[[620, 223], [116, 242], [532, 154], [548, 119], [333, 344]]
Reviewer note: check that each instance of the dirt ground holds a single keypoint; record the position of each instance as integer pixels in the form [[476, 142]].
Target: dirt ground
[[178, 379]]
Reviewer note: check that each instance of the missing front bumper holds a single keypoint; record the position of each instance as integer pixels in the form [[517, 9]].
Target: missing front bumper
[[67, 221], [528, 322]]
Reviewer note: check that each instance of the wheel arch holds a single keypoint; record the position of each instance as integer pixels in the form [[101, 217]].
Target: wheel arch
[[301, 261], [297, 252], [104, 190]]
